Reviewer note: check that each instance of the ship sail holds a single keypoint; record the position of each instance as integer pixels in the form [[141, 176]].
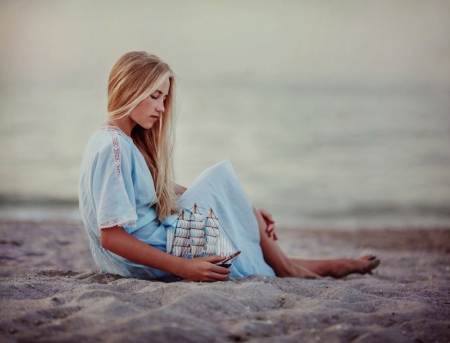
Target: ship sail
[[224, 248], [178, 240], [212, 233], [197, 242], [217, 240]]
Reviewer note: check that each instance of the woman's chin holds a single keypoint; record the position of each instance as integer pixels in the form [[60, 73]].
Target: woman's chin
[[147, 126]]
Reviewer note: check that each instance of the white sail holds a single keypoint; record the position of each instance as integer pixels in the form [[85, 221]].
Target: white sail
[[224, 247], [181, 241], [210, 249], [198, 225], [198, 241], [197, 217], [197, 250], [182, 232], [196, 233], [211, 222], [178, 240], [170, 234], [211, 233], [211, 241], [180, 251], [185, 224]]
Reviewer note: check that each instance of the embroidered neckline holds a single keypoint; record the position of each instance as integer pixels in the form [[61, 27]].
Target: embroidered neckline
[[113, 127]]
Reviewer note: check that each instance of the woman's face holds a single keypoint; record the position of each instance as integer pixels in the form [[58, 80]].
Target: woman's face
[[149, 110]]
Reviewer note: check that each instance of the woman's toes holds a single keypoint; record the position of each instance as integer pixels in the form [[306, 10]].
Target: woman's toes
[[373, 264], [368, 257]]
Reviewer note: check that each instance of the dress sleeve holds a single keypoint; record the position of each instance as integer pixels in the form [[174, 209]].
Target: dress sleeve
[[112, 185]]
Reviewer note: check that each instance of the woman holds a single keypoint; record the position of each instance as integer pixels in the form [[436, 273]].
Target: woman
[[128, 199]]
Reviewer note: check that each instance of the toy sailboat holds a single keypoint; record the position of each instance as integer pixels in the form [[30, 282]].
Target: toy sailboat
[[196, 237]]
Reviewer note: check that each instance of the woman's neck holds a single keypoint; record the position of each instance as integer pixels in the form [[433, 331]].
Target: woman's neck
[[125, 124]]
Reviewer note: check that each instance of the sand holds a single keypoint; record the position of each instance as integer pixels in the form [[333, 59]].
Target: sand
[[50, 291]]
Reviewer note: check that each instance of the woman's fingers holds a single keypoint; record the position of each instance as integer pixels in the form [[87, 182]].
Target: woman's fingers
[[220, 270], [267, 216], [216, 273], [215, 278], [212, 259], [218, 277], [269, 229]]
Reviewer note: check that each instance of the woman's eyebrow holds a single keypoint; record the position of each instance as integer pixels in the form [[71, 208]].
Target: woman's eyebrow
[[159, 92]]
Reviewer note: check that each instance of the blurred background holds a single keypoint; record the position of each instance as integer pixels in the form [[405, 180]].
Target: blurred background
[[335, 114]]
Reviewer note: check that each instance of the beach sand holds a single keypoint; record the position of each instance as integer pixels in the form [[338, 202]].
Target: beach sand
[[50, 291]]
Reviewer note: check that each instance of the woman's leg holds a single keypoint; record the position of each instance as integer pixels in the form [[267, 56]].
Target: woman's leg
[[275, 257], [292, 267]]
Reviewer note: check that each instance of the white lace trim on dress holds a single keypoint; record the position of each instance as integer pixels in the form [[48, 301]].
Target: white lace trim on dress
[[130, 219]]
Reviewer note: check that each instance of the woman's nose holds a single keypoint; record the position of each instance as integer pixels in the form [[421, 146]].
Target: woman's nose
[[160, 107]]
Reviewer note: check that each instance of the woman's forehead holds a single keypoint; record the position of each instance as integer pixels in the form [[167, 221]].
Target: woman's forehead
[[164, 87]]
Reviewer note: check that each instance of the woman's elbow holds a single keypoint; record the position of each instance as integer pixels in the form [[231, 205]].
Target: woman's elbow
[[104, 241], [107, 236]]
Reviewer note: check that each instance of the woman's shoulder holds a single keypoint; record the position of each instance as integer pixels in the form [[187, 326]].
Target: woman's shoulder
[[110, 137]]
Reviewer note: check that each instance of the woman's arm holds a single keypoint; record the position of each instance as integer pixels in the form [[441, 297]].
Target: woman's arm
[[179, 190], [118, 241]]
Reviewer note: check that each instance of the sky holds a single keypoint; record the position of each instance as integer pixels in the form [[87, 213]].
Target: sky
[[337, 42]]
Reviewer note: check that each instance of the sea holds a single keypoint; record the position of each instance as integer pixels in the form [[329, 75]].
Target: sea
[[334, 114], [315, 155]]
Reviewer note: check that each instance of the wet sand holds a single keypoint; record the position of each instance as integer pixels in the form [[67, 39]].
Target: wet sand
[[50, 291]]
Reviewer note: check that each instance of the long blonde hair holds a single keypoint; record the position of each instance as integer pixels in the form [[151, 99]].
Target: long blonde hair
[[134, 77]]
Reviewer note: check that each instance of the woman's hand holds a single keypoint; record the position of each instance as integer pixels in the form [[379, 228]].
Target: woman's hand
[[270, 229], [203, 269]]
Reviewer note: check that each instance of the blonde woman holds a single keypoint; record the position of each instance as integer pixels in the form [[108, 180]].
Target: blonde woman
[[127, 197]]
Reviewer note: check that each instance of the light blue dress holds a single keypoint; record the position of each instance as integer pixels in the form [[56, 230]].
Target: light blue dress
[[116, 188]]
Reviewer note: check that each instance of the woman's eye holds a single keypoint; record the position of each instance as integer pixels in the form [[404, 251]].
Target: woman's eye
[[153, 97]]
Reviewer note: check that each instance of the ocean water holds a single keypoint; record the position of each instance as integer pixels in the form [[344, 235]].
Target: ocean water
[[313, 155], [334, 114], [330, 157]]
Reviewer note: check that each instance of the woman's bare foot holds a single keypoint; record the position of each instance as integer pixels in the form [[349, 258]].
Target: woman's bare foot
[[364, 264], [373, 262], [338, 268]]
